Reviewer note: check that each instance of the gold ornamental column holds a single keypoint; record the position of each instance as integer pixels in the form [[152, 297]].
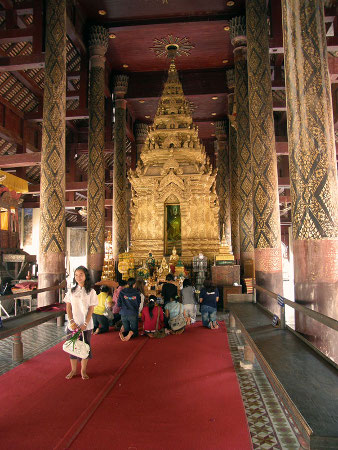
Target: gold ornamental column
[[52, 197], [238, 40], [120, 216], [222, 180], [98, 43], [313, 171], [141, 132], [233, 157], [267, 234]]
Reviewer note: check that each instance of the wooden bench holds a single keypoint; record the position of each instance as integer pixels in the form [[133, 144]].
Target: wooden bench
[[15, 325], [306, 382]]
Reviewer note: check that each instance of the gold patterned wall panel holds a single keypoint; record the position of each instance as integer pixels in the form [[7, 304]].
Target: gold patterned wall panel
[[312, 155], [262, 136], [52, 199]]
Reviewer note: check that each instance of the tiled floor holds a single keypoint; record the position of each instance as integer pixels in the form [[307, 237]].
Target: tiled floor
[[35, 340], [270, 426]]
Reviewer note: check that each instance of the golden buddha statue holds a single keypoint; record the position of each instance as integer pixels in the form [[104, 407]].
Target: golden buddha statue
[[150, 262], [173, 259], [174, 225], [164, 268]]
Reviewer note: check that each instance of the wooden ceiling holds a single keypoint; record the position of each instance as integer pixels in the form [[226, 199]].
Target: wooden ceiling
[[139, 30]]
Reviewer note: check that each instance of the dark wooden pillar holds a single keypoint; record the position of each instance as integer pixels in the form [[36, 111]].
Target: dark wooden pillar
[[267, 234], [52, 196], [98, 43], [120, 217], [238, 40], [313, 171]]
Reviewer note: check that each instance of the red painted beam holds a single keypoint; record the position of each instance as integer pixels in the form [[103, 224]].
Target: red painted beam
[[72, 114], [25, 62], [16, 35], [6, 4], [285, 198], [20, 160], [69, 204], [284, 182], [76, 186]]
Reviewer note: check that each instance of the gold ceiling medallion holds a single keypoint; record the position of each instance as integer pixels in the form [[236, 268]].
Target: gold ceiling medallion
[[165, 46]]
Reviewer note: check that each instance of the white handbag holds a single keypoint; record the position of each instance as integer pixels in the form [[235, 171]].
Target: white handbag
[[78, 348]]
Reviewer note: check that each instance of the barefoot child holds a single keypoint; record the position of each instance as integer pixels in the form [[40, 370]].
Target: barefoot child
[[80, 302]]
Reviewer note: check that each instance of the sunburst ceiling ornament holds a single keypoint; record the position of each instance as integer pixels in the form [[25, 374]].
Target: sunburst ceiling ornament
[[161, 47]]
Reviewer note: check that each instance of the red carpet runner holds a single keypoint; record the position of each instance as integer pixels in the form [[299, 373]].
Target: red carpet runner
[[180, 392]]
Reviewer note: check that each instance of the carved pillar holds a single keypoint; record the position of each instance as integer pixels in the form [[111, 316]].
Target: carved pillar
[[267, 234], [222, 181], [120, 216], [238, 40], [234, 195], [98, 43], [52, 197], [141, 132], [313, 172]]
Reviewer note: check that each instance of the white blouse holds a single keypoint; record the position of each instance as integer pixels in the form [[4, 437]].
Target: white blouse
[[81, 301]]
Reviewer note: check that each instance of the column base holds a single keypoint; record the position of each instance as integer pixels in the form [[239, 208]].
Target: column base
[[51, 272], [316, 287], [273, 282], [47, 280], [269, 275]]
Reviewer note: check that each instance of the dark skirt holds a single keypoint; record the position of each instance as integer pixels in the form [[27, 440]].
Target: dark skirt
[[87, 337]]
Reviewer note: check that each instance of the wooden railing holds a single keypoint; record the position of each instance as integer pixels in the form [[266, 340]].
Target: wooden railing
[[321, 318], [13, 326], [325, 320]]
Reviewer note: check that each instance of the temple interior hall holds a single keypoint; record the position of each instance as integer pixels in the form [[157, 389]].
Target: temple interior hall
[[190, 146]]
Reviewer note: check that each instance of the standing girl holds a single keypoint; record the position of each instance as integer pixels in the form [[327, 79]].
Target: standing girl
[[80, 302]]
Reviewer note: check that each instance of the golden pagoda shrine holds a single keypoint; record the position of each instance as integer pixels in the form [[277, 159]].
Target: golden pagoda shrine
[[174, 202]]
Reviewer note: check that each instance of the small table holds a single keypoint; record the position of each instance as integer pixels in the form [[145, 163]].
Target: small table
[[26, 298]]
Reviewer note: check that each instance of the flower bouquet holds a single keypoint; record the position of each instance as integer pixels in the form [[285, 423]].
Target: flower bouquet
[[76, 347]]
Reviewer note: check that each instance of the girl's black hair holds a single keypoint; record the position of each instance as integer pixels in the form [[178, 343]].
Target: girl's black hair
[[131, 282], [105, 288], [88, 281], [123, 283], [170, 277], [186, 282], [208, 285], [151, 304]]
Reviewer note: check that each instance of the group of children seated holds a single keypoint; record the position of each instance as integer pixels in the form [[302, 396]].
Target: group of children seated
[[169, 314]]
